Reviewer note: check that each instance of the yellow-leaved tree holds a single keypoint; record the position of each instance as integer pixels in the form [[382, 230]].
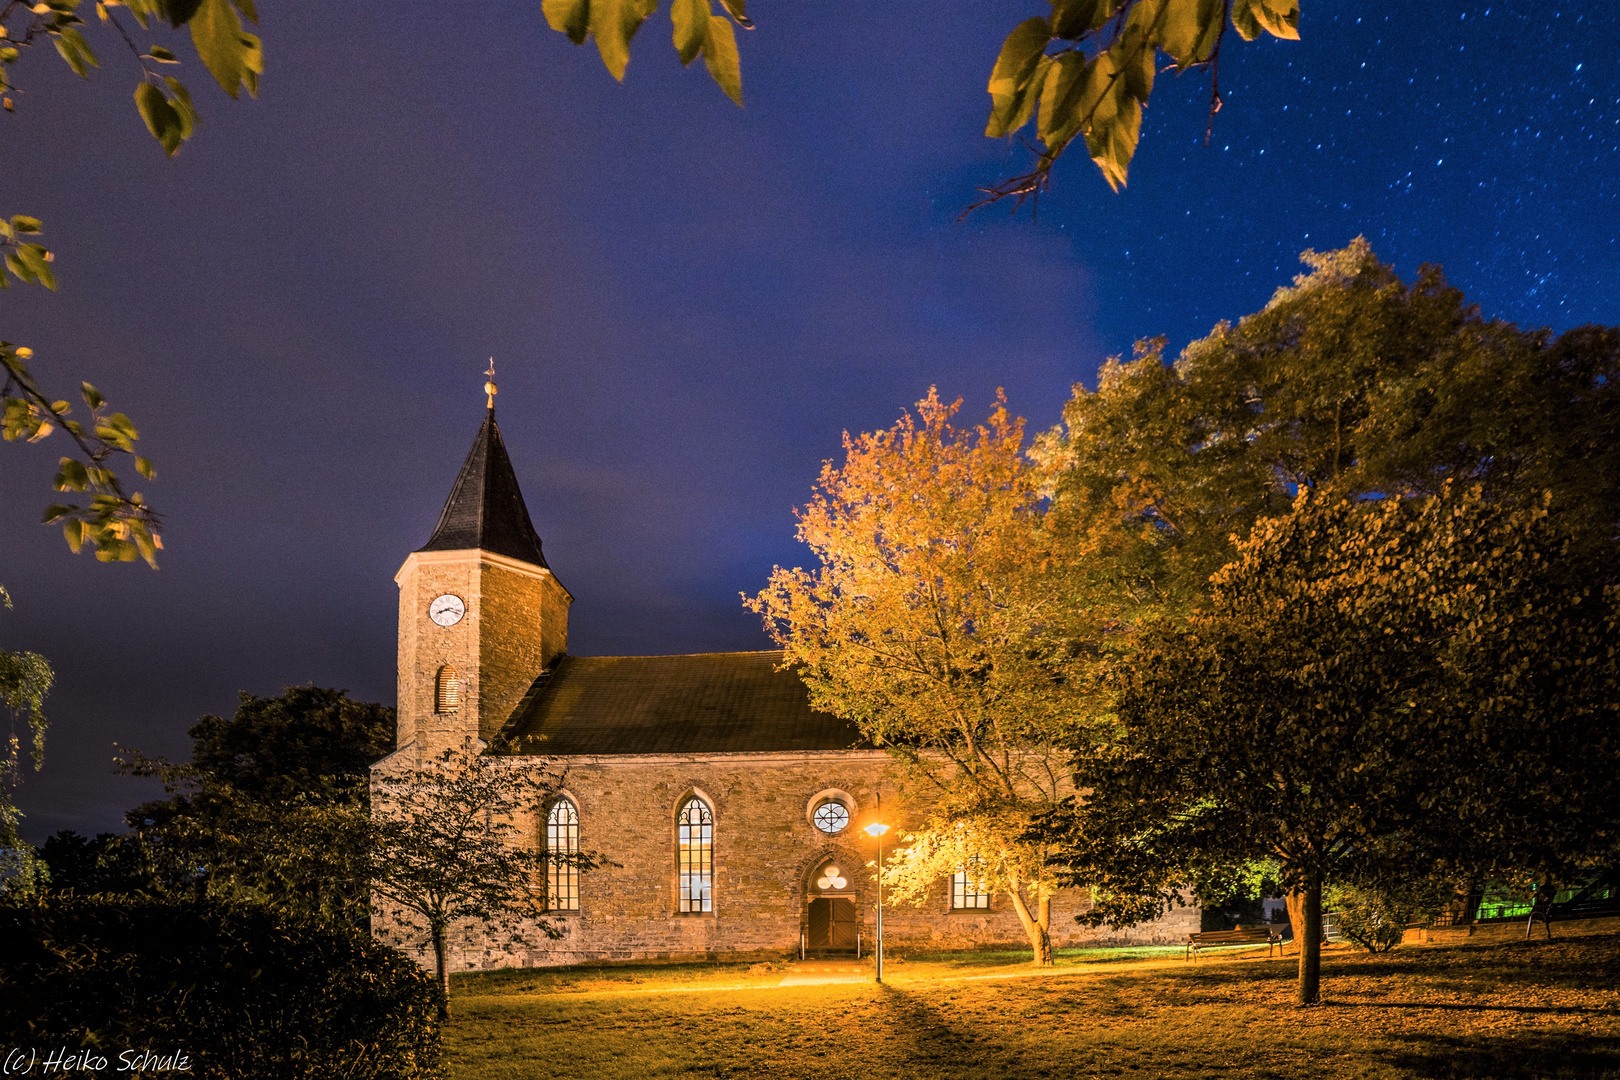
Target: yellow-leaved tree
[[945, 621]]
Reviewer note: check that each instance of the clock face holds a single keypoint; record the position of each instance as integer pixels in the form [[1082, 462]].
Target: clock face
[[447, 610]]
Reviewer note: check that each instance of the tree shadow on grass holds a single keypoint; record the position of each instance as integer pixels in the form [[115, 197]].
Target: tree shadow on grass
[[934, 1043], [1524, 1057]]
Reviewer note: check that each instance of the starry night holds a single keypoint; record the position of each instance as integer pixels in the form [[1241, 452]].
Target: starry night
[[691, 538]]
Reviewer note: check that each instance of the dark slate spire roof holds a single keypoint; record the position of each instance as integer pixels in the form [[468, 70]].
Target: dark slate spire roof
[[485, 508]]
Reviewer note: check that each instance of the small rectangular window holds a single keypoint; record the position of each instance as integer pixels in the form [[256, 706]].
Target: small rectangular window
[[968, 890]]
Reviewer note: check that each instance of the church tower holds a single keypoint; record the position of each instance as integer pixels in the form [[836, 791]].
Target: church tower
[[480, 612]]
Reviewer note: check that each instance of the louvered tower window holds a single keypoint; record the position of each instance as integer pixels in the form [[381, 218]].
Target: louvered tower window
[[447, 690], [562, 854], [695, 831]]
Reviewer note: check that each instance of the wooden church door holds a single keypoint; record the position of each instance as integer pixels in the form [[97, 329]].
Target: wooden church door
[[832, 923]]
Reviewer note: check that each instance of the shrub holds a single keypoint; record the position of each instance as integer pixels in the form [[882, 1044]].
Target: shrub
[[242, 990]]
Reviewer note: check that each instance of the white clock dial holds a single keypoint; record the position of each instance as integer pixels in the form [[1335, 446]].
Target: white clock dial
[[447, 610]]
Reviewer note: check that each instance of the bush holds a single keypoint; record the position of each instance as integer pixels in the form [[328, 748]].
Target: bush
[[242, 990]]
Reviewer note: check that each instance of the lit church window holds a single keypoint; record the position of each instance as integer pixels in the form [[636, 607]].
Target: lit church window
[[968, 890], [832, 817], [447, 690], [562, 844], [696, 828]]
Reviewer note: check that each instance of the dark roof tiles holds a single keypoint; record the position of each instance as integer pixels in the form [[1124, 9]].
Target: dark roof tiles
[[486, 509], [706, 703]]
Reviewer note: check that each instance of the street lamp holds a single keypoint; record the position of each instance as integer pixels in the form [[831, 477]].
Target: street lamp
[[876, 831]]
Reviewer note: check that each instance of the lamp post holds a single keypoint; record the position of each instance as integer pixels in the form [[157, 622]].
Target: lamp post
[[876, 831]]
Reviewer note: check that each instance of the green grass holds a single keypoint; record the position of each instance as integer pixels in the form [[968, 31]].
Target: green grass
[[1517, 1010]]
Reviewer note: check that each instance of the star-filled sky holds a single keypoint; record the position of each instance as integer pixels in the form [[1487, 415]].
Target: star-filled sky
[[688, 302]]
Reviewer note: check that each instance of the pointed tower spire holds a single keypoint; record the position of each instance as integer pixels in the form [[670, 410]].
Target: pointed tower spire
[[486, 509]]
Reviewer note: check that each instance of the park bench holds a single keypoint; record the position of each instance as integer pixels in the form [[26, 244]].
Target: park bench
[[1243, 935]]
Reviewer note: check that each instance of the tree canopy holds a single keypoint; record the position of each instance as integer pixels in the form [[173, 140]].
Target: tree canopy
[[1373, 690], [272, 805], [453, 840], [943, 619]]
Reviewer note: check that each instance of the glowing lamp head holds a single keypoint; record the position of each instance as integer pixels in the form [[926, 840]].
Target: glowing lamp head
[[877, 828]]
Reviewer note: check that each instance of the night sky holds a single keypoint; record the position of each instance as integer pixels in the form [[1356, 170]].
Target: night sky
[[687, 302]]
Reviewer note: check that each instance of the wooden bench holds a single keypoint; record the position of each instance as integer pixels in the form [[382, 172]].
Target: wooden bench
[[1243, 935]]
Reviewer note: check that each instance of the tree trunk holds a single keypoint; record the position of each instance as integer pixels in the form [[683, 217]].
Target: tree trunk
[[1308, 931], [1038, 926], [444, 972]]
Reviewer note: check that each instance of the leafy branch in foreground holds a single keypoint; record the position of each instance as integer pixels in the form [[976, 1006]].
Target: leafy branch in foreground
[[234, 57], [1085, 70], [116, 525], [25, 680]]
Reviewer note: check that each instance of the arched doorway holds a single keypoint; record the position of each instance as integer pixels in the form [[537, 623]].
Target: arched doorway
[[832, 924]]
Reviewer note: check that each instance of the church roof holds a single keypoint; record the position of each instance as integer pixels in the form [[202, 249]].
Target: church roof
[[703, 704], [485, 508]]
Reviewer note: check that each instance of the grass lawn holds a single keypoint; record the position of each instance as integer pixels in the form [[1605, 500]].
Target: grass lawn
[[1507, 1009]]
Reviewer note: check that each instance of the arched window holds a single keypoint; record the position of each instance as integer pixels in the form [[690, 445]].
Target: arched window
[[695, 829], [968, 890], [562, 851], [447, 690]]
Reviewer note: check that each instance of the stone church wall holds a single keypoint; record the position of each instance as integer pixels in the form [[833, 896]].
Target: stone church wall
[[766, 853]]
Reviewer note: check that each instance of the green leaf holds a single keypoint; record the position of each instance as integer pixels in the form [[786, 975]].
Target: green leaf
[[1244, 20], [180, 102], [161, 118], [71, 475], [571, 17], [144, 467], [691, 20], [1279, 17], [74, 531], [38, 262], [737, 9], [1189, 29], [720, 57], [75, 50], [613, 23], [1011, 77], [1073, 18], [162, 55], [55, 513], [179, 12], [92, 396], [217, 32], [1137, 58], [249, 10]]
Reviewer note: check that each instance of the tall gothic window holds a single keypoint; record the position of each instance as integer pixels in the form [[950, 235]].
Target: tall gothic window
[[968, 890], [447, 690], [695, 829], [562, 849]]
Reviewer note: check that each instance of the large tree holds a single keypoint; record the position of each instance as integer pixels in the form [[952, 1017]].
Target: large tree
[[454, 840], [272, 805], [1352, 378], [944, 619], [1374, 689]]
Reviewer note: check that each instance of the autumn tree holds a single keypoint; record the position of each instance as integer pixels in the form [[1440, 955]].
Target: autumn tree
[[453, 840], [946, 619], [1374, 689]]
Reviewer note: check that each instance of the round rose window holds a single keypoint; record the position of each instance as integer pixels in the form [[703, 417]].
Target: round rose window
[[832, 817]]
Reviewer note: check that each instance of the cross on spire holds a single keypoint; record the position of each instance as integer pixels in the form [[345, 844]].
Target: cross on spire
[[489, 386]]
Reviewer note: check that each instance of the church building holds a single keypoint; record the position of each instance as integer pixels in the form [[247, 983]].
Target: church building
[[734, 812]]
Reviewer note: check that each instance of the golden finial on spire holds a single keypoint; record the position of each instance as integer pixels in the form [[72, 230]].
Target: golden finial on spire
[[489, 387]]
